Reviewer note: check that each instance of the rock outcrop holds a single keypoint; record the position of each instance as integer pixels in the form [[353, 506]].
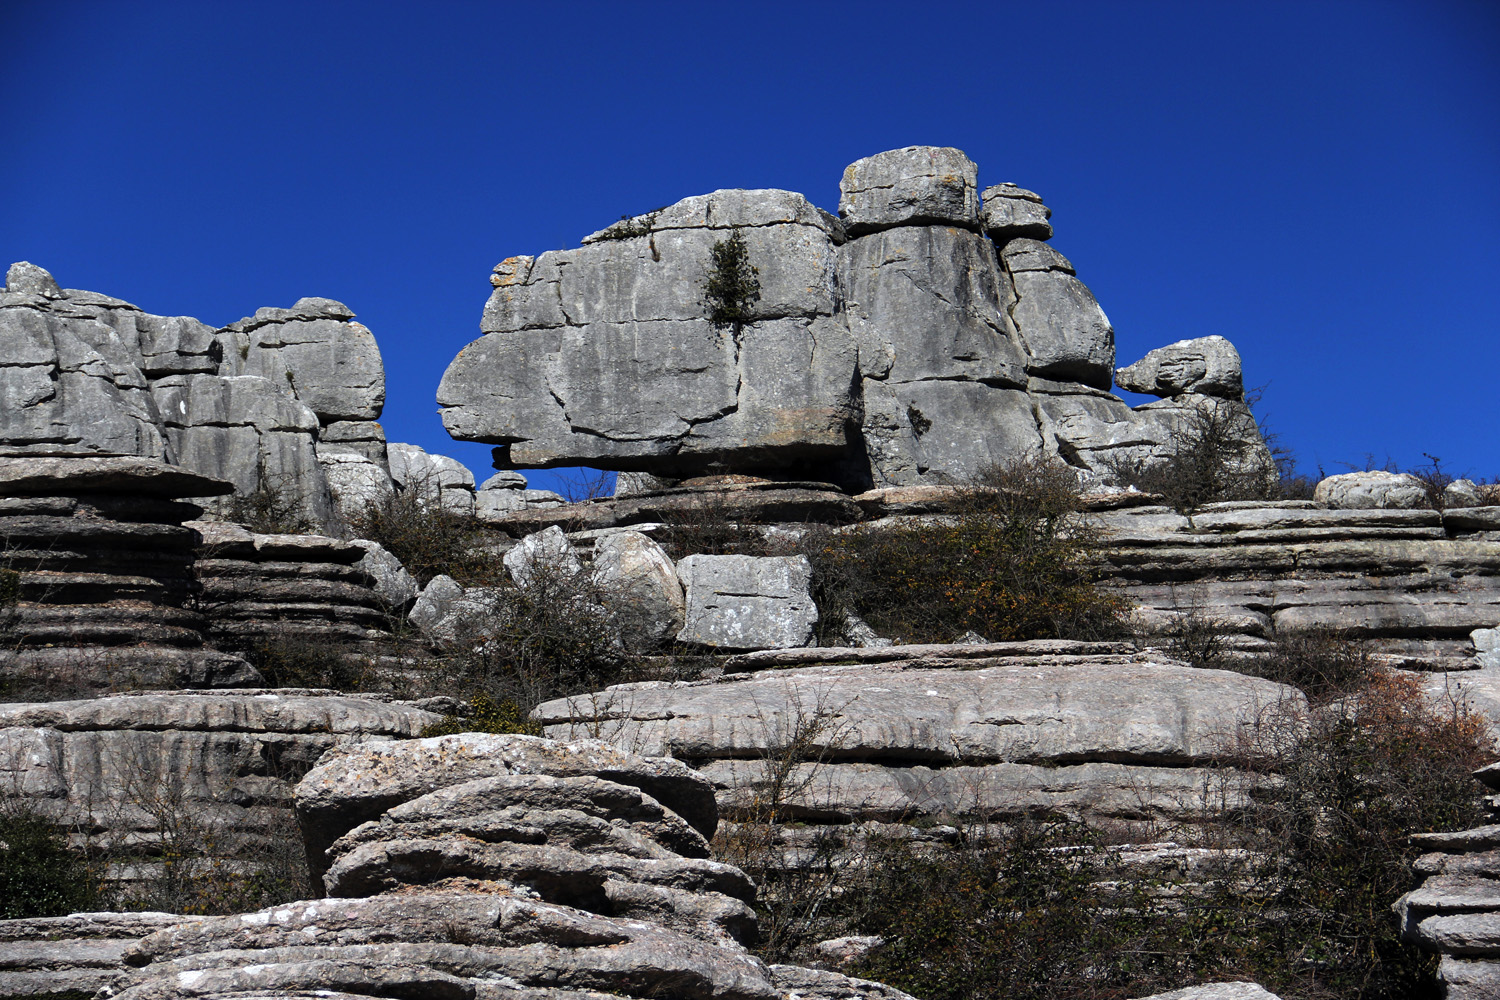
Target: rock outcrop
[[256, 403], [910, 733], [922, 335], [122, 770], [1455, 908], [104, 568], [259, 588], [71, 956], [481, 866]]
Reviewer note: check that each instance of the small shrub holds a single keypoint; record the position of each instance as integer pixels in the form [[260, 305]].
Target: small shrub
[[1213, 459], [1434, 480], [707, 528], [39, 875], [429, 539], [487, 716], [294, 663], [1014, 561], [732, 286], [1321, 662], [274, 507]]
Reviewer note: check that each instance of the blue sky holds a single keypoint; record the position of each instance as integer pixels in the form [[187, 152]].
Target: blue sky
[[1317, 181]]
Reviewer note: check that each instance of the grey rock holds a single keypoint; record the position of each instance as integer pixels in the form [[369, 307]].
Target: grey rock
[[436, 479], [1469, 979], [361, 782], [943, 430], [435, 603], [798, 983], [929, 303], [1374, 489], [747, 602], [917, 185], [639, 583], [1487, 647], [1065, 333], [1463, 493], [143, 476], [1208, 365], [504, 481], [355, 437], [630, 484], [82, 952], [842, 950], [604, 356], [1218, 991], [29, 279], [1466, 934], [1008, 212], [355, 481], [393, 583], [322, 358], [545, 555]]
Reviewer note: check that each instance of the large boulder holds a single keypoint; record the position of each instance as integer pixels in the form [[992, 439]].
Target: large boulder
[[1009, 211], [747, 602], [606, 356], [319, 354], [1208, 365], [1374, 490], [1065, 333], [639, 584], [918, 185]]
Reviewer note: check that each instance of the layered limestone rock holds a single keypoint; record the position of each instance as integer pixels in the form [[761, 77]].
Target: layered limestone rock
[[70, 956], [256, 403], [920, 337], [1455, 908], [123, 770], [1415, 583], [259, 588], [906, 733], [104, 571], [484, 866]]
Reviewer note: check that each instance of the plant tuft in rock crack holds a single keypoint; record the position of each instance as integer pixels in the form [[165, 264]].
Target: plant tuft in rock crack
[[733, 285]]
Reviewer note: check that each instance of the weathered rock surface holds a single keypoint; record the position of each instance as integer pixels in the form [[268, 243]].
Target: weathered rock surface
[[106, 573], [85, 374], [1455, 908], [258, 588], [438, 479], [747, 602], [1009, 211], [1217, 991], [543, 555], [76, 955], [1374, 490], [918, 185], [635, 577], [1102, 735], [1415, 583], [1207, 365], [893, 349], [120, 766]]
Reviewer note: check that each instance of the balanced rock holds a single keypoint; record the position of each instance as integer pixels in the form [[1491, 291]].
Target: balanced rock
[[918, 185], [1375, 490], [1009, 211], [1208, 365]]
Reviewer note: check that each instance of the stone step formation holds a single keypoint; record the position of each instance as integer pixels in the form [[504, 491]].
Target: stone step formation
[[926, 332]]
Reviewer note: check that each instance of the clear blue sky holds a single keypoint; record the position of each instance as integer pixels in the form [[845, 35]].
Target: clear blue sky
[[1317, 181]]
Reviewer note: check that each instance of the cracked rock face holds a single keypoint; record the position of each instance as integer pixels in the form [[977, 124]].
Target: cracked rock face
[[896, 345]]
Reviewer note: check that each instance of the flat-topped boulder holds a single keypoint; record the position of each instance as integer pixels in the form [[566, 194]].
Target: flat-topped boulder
[[60, 476]]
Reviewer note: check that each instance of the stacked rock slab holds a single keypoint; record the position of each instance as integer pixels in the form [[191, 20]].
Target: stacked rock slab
[[104, 568], [115, 769], [1455, 908], [912, 733], [1415, 583], [259, 588], [257, 403], [482, 866], [71, 956], [926, 333]]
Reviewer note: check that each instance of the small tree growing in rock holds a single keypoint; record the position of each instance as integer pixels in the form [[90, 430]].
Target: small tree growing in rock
[[733, 285]]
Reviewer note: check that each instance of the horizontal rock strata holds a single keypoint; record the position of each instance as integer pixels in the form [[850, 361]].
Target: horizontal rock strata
[[105, 579], [258, 588], [1100, 735], [72, 956]]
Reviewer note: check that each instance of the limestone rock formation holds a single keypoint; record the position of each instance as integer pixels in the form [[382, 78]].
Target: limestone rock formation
[[1208, 365], [255, 403], [438, 479], [71, 956], [747, 602], [903, 733], [117, 768], [1375, 490], [258, 588], [901, 344], [1455, 908], [106, 577]]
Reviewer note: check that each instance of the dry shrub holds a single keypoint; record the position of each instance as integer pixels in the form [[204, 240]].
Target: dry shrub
[[305, 663], [429, 539], [1213, 459], [1015, 560], [707, 528]]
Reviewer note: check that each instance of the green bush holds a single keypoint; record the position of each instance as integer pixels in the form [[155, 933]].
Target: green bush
[[39, 875], [487, 715], [1013, 561], [732, 286]]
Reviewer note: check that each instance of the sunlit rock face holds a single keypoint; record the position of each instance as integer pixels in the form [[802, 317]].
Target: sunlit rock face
[[924, 334]]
